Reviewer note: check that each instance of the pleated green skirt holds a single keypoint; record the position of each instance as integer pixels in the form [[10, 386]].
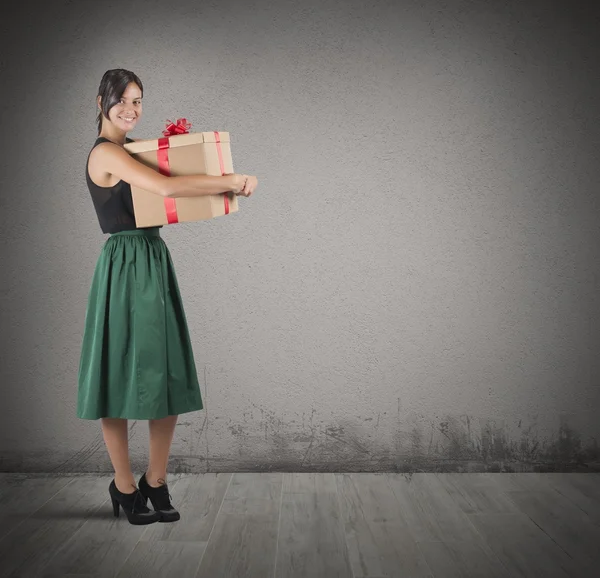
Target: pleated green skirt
[[136, 357]]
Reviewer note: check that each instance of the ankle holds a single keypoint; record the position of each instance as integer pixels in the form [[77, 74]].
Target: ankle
[[155, 480], [125, 484]]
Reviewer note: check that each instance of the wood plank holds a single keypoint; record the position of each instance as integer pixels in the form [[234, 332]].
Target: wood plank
[[36, 540], [461, 559], [302, 483], [476, 493], [254, 493], [162, 558], [565, 523], [429, 511], [524, 549], [76, 576], [22, 494], [520, 481], [311, 536], [262, 486], [583, 490], [240, 545], [361, 525], [243, 541], [100, 546], [379, 540], [198, 499], [587, 484]]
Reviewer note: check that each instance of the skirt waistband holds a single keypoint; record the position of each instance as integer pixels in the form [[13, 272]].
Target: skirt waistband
[[148, 232]]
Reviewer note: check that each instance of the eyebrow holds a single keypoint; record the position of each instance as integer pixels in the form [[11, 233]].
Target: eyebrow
[[136, 98]]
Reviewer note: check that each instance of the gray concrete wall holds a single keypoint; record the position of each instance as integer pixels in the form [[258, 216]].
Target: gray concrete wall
[[413, 287]]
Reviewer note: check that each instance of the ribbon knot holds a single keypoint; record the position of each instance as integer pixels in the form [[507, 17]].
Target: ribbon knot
[[180, 126]]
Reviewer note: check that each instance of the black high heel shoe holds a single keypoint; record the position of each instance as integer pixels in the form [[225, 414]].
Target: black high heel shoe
[[134, 506], [160, 499]]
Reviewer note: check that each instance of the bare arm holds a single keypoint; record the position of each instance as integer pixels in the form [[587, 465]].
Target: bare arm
[[116, 161]]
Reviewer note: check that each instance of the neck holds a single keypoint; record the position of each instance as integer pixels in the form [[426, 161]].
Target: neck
[[116, 136]]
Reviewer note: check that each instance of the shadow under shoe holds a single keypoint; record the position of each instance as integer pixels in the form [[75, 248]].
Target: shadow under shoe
[[160, 499], [134, 506]]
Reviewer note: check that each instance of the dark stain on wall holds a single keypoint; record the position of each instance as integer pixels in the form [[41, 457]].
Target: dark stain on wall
[[452, 444], [382, 443]]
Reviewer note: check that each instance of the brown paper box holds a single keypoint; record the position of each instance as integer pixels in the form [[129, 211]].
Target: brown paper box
[[188, 154]]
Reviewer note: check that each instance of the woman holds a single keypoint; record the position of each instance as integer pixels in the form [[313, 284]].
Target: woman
[[136, 359]]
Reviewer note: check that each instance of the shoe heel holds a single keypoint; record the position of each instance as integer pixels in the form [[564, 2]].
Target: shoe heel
[[115, 504], [133, 505]]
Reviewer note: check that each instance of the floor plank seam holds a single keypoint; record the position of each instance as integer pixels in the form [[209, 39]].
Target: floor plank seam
[[462, 525], [482, 541], [573, 503], [423, 557], [346, 547], [279, 525], [551, 538], [393, 493], [36, 510], [214, 523], [72, 536]]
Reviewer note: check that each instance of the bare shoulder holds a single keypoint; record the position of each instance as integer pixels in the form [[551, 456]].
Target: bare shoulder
[[107, 148], [102, 159]]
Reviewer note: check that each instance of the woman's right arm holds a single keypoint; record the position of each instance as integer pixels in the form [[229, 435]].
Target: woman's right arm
[[115, 160]]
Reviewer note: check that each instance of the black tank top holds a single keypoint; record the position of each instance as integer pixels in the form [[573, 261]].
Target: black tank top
[[114, 205]]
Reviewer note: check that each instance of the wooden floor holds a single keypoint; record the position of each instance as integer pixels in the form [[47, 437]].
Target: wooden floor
[[276, 525]]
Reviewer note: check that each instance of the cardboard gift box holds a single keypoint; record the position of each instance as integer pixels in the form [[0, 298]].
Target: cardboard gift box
[[180, 153]]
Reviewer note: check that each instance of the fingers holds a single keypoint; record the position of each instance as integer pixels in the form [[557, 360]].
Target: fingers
[[249, 186], [246, 188]]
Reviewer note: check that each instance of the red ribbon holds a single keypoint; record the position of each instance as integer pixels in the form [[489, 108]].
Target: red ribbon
[[181, 126], [165, 169], [222, 165]]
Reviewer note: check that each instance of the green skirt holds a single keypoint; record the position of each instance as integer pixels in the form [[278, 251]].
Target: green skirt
[[136, 358]]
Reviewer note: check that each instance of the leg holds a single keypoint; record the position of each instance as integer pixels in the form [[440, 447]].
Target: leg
[[117, 443], [161, 435]]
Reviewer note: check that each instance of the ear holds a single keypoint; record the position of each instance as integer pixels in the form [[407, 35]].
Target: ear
[[99, 101]]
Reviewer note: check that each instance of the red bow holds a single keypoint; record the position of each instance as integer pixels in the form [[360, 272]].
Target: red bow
[[181, 126]]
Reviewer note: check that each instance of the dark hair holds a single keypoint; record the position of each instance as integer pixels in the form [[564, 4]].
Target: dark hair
[[112, 86]]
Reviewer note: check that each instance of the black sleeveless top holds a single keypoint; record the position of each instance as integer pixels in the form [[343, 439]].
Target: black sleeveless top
[[114, 205]]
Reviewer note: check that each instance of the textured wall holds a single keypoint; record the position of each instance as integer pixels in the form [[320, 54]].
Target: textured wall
[[413, 287]]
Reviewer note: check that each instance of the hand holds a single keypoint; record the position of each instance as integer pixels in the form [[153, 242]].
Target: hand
[[236, 182], [249, 186]]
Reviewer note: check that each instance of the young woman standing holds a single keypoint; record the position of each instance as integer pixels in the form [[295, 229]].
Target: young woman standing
[[136, 359]]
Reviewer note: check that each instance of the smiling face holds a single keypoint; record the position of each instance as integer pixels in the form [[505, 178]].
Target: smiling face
[[125, 114]]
